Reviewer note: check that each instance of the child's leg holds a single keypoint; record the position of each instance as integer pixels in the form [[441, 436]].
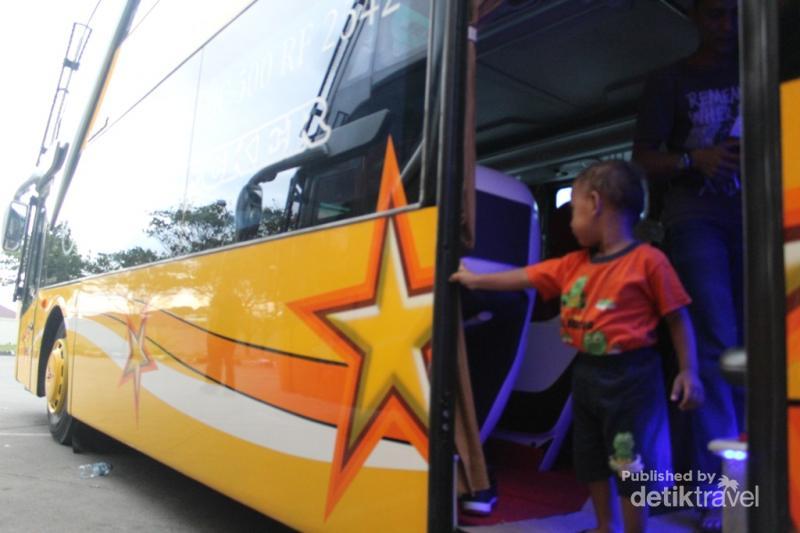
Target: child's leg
[[605, 506], [590, 451], [635, 518], [638, 434]]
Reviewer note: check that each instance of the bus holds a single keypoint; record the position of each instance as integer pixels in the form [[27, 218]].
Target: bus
[[239, 265]]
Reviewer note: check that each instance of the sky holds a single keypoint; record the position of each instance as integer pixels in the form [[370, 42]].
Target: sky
[[34, 47], [33, 37]]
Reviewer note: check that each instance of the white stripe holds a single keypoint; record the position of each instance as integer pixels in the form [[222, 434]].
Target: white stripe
[[240, 416]]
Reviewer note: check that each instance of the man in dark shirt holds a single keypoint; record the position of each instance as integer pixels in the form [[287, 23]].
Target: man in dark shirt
[[687, 140]]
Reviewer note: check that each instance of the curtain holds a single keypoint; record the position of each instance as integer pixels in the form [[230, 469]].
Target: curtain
[[478, 10], [472, 472]]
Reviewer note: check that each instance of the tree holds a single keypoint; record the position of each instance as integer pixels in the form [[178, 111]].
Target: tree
[[271, 221], [109, 262], [180, 231], [9, 264], [183, 231], [62, 262]]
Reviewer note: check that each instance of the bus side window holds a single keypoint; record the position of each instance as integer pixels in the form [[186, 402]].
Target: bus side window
[[126, 203], [264, 101], [344, 190], [385, 71]]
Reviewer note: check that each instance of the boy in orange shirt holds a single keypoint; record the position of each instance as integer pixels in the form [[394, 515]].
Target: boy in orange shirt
[[613, 294]]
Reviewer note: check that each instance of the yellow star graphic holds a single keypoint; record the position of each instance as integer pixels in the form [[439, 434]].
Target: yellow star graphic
[[139, 359], [390, 335], [381, 327]]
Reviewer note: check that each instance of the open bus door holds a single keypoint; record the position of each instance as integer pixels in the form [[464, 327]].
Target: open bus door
[[447, 127], [771, 104], [771, 85]]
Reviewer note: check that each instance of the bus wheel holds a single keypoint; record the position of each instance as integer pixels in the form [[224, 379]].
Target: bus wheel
[[55, 386]]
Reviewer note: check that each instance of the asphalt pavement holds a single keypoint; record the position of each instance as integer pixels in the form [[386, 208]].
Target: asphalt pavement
[[41, 489]]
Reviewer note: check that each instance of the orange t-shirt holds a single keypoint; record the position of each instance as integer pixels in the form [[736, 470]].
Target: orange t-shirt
[[610, 304]]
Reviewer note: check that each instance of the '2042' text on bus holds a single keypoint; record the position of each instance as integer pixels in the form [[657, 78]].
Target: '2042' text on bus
[[239, 266]]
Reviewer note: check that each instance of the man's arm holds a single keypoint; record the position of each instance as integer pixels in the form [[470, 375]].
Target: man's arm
[[720, 161], [654, 126]]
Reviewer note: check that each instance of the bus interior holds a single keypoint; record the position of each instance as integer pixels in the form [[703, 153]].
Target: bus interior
[[558, 86]]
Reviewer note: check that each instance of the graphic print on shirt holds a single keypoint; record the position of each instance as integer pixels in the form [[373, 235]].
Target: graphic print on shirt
[[712, 113], [575, 297], [595, 343], [591, 341], [605, 304]]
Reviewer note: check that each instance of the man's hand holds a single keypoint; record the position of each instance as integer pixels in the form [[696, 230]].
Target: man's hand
[[720, 162], [687, 390]]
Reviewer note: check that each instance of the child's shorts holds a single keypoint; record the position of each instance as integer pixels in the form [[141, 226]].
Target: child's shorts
[[620, 419]]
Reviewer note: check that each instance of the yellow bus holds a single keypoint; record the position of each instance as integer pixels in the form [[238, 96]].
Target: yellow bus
[[239, 264]]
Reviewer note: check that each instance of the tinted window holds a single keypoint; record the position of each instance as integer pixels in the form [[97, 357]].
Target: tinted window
[[391, 76], [280, 82], [162, 35], [125, 204]]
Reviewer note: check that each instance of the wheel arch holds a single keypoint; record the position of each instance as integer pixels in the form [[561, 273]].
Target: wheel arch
[[54, 321]]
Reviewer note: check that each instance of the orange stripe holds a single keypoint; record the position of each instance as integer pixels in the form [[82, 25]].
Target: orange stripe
[[311, 389], [298, 385], [419, 278], [793, 319]]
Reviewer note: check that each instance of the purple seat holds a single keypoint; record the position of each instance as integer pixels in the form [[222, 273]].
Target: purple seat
[[507, 236]]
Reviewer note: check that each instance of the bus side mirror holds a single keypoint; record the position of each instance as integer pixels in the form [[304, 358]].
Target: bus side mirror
[[343, 142], [248, 212], [14, 226]]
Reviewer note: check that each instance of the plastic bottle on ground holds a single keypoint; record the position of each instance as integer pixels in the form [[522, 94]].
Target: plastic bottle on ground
[[94, 470]]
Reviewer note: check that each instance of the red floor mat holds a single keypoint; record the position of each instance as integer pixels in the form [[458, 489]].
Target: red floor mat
[[522, 491]]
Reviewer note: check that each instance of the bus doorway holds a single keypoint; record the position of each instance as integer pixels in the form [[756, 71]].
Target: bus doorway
[[560, 86]]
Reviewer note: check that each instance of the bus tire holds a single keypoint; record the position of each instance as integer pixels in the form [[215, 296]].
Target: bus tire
[[56, 385]]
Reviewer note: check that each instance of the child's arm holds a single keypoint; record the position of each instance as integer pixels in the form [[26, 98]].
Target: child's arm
[[509, 280], [687, 387]]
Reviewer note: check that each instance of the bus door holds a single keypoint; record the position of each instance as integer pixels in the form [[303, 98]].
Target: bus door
[[26, 221], [21, 220], [770, 61]]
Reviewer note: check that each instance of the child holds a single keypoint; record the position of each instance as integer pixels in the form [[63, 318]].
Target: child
[[613, 294]]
